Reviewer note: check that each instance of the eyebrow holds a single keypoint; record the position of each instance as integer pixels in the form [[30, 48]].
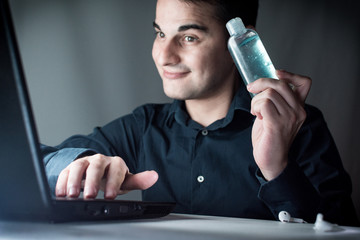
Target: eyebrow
[[192, 26], [186, 27], [155, 25]]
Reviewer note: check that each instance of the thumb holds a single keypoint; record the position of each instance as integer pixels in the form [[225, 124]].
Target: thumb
[[139, 181]]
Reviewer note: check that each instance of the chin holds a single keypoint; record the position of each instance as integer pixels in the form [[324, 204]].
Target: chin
[[175, 96], [173, 93], [180, 91]]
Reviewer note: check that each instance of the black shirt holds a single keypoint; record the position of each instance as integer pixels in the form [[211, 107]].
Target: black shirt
[[212, 170]]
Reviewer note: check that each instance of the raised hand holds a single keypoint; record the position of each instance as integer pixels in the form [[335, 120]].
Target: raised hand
[[279, 108]]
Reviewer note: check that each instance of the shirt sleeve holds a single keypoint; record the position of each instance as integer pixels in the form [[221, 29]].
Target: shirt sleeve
[[56, 160], [118, 138], [314, 180]]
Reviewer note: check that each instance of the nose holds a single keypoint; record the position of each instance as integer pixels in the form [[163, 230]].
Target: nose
[[166, 53]]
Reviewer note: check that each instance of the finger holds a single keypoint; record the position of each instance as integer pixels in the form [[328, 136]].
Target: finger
[[280, 86], [61, 184], [269, 98], [94, 174], [115, 177], [139, 181], [289, 112], [76, 173], [301, 83], [264, 108]]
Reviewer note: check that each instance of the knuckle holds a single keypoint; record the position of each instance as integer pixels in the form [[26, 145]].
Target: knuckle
[[267, 103], [97, 164], [261, 81], [306, 80], [283, 85], [80, 163], [98, 160], [270, 92], [120, 162], [97, 157], [117, 159]]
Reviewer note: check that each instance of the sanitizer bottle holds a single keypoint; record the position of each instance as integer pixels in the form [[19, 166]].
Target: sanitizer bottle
[[248, 53]]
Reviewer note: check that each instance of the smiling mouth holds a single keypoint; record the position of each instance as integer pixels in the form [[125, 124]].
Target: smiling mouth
[[175, 75]]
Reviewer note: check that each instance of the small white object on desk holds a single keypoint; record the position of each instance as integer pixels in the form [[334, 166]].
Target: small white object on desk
[[324, 226], [284, 216]]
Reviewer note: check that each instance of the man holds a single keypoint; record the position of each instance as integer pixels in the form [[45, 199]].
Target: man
[[213, 150]]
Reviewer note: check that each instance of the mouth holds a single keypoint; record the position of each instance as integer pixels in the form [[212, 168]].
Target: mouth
[[175, 75]]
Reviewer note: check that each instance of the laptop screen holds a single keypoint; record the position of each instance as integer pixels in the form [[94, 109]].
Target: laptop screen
[[22, 173]]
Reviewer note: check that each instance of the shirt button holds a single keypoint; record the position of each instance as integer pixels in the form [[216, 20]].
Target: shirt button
[[200, 179], [204, 132]]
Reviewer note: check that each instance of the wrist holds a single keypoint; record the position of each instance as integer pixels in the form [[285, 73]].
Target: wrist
[[272, 173]]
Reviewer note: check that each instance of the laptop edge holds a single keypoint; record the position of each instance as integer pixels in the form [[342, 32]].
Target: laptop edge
[[27, 195]]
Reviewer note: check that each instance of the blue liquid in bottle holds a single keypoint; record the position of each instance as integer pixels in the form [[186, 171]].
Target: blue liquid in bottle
[[248, 53]]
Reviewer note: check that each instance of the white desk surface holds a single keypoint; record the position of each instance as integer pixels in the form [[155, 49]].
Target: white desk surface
[[172, 227]]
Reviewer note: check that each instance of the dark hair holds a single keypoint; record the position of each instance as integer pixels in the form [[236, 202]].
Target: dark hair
[[227, 9]]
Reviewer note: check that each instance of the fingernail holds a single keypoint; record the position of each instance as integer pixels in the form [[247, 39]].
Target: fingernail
[[72, 191], [89, 192], [60, 192], [110, 194], [249, 86]]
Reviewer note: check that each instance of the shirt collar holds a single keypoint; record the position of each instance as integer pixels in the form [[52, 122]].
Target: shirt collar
[[241, 101]]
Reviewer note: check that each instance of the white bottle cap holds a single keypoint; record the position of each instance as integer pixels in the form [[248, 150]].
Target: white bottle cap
[[235, 26]]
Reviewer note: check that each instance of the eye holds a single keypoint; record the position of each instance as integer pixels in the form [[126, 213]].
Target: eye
[[190, 39], [160, 34]]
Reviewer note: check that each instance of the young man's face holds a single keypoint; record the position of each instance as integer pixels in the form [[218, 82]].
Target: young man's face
[[190, 50]]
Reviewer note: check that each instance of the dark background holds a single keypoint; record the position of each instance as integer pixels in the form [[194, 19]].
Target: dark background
[[89, 61]]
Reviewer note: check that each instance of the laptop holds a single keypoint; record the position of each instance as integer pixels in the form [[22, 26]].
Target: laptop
[[24, 190]]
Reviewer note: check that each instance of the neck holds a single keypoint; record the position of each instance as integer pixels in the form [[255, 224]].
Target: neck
[[208, 110]]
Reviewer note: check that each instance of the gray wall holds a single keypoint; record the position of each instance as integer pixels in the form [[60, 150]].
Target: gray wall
[[321, 39], [89, 61]]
